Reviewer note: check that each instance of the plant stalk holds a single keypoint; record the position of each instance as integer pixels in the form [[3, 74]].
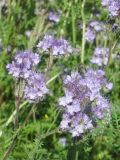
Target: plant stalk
[[73, 25], [83, 31]]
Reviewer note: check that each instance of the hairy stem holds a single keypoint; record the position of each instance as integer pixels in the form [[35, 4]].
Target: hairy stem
[[17, 114], [83, 32], [111, 51], [76, 155], [16, 124], [73, 26], [30, 113]]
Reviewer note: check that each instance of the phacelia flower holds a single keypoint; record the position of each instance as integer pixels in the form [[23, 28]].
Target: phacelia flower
[[80, 124], [82, 101], [55, 46], [100, 56], [97, 26], [101, 108], [90, 35], [22, 64], [54, 16], [93, 29], [23, 67], [114, 7], [36, 87], [105, 3]]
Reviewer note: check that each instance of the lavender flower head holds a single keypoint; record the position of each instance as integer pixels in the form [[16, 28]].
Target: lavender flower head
[[55, 46], [102, 106], [105, 3], [93, 28], [83, 101], [100, 56], [22, 64], [23, 69], [54, 16], [36, 87], [90, 35], [97, 26], [114, 7]]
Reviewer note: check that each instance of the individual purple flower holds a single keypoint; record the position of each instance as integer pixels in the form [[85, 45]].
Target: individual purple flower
[[96, 81], [64, 125], [97, 26], [63, 101], [57, 47], [22, 64], [54, 16], [101, 108], [46, 43], [90, 35], [100, 56], [109, 86], [105, 3], [36, 87], [78, 89], [79, 124]]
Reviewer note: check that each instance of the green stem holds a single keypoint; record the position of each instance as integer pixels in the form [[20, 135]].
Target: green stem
[[14, 113], [53, 121], [111, 51], [17, 114], [68, 8], [105, 46], [83, 31], [76, 155], [73, 26]]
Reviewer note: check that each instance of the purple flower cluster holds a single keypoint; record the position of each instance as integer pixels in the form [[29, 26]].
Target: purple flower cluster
[[36, 87], [55, 46], [54, 16], [23, 67], [93, 28], [22, 64], [105, 3], [96, 26], [83, 101], [113, 7], [90, 35], [102, 106], [100, 56]]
